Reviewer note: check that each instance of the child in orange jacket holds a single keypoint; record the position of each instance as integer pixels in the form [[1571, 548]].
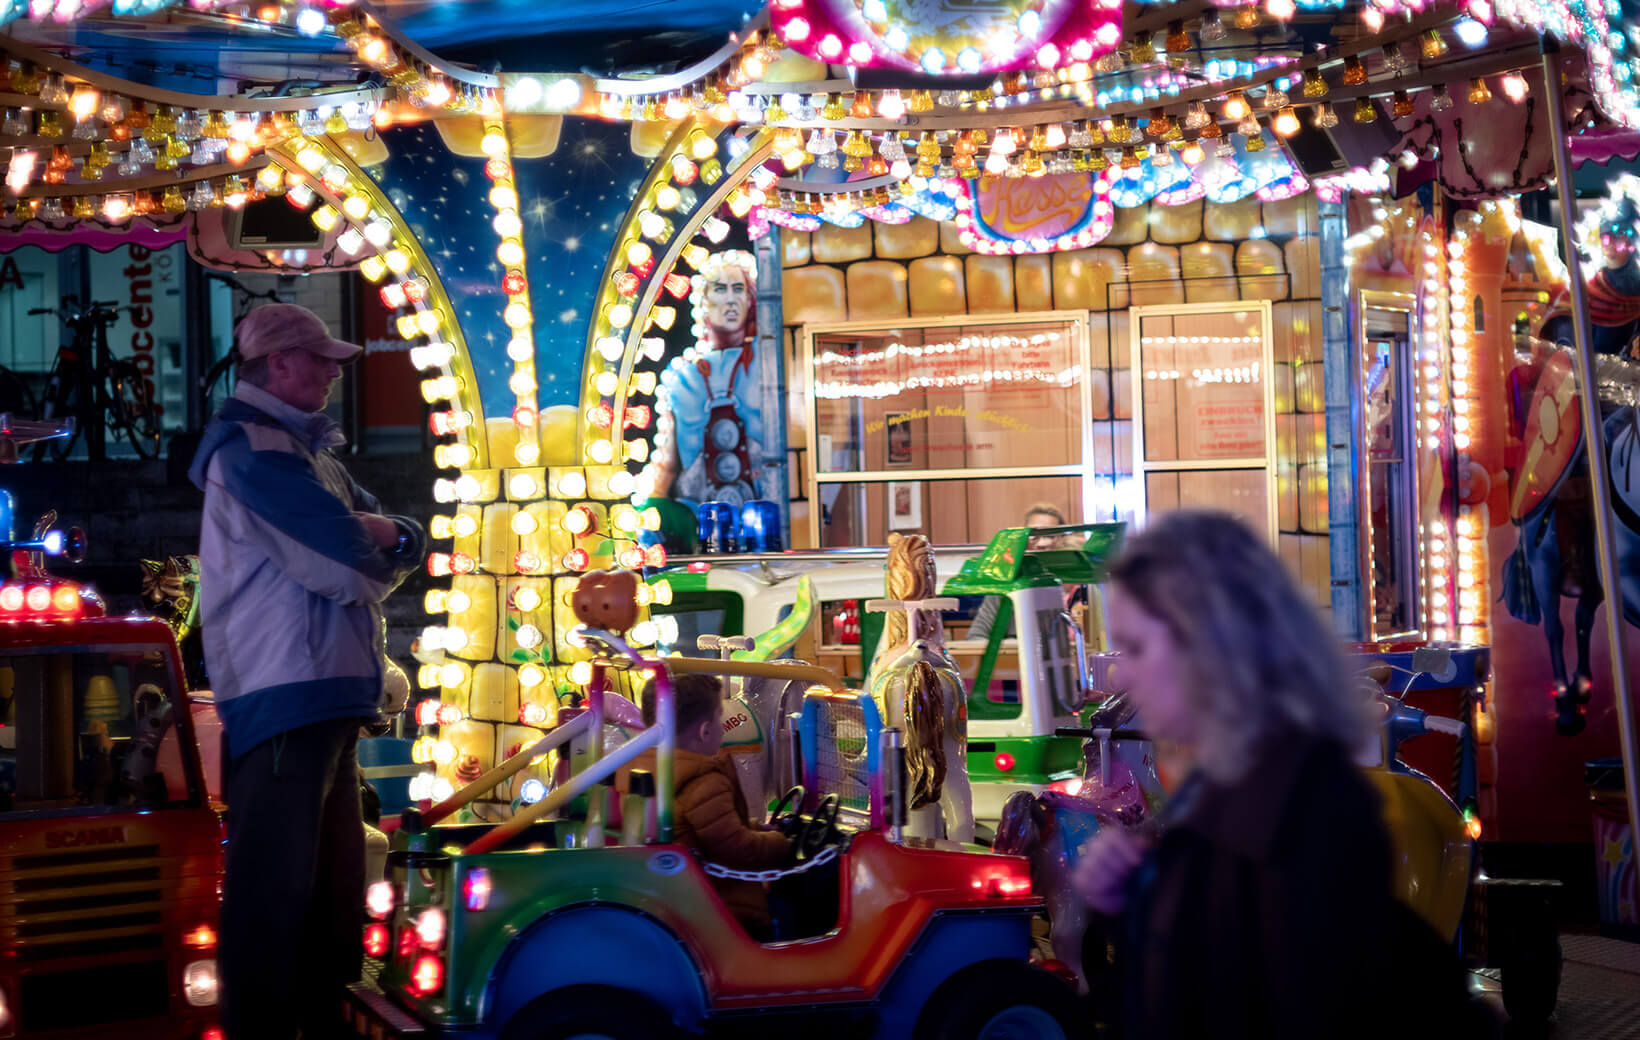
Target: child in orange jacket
[[709, 810]]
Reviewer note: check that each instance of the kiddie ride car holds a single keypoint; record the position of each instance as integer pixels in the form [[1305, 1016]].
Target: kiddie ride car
[[1011, 742], [110, 851], [544, 926]]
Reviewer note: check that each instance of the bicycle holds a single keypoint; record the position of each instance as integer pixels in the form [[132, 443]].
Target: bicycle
[[102, 392]]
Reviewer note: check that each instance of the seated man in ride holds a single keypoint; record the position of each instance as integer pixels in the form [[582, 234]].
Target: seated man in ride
[[709, 810]]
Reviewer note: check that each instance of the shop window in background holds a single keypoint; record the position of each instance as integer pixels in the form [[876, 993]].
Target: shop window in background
[[949, 427], [145, 284], [150, 332]]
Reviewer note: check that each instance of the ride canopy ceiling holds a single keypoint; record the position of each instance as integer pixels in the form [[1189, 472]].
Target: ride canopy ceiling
[[881, 108], [139, 115]]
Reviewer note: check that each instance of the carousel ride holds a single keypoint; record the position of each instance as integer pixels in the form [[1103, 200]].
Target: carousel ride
[[419, 139]]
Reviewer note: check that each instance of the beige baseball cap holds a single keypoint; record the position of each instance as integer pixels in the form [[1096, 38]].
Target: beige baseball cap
[[273, 327]]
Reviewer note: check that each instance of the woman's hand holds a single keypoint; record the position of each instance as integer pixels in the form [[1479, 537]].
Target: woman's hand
[[1103, 869]]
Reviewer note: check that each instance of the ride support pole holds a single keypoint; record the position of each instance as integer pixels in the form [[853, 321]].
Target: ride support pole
[[1594, 441]]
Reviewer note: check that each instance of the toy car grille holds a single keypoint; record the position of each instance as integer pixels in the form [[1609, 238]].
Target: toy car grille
[[841, 735]]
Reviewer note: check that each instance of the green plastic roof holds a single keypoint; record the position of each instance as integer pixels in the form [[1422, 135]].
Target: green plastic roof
[[1008, 563]]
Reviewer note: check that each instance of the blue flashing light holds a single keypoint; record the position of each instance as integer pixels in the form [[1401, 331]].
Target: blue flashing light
[[52, 543], [1470, 33], [532, 791]]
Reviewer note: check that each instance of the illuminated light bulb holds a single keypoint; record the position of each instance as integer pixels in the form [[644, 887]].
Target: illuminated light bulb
[[444, 491], [522, 485], [446, 423], [516, 315], [507, 224], [580, 673], [531, 675], [526, 598], [619, 315], [622, 482], [444, 752], [466, 525], [1355, 73], [468, 488], [531, 713], [452, 456], [601, 451], [432, 355], [572, 484], [447, 714], [1514, 87], [441, 388], [577, 560], [1479, 94], [580, 521], [397, 260], [1235, 106], [510, 253], [521, 383], [351, 241], [526, 453], [378, 233], [1365, 110], [1286, 122], [607, 382], [528, 636], [435, 600], [326, 217], [524, 522]]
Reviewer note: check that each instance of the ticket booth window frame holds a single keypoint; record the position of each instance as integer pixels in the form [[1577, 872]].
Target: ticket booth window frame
[[1078, 469], [1263, 463]]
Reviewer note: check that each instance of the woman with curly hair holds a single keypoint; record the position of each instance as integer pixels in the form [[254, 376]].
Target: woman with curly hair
[[1262, 905]]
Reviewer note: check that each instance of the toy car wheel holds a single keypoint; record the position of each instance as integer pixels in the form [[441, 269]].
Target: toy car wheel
[[590, 1013], [1004, 1000]]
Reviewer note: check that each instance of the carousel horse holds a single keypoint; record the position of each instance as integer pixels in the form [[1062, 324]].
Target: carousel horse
[[919, 690], [1552, 504]]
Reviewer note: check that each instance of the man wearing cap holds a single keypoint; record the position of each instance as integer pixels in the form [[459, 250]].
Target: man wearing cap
[[295, 561]]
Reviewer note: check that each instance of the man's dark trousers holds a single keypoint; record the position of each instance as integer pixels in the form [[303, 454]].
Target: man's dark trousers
[[293, 895]]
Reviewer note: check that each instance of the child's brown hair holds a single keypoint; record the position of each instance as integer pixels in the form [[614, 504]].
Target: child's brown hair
[[695, 699]]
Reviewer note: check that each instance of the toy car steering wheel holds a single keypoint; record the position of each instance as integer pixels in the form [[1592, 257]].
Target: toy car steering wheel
[[821, 827], [789, 823]]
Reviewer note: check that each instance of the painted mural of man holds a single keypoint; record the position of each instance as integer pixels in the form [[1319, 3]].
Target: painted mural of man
[[710, 400]]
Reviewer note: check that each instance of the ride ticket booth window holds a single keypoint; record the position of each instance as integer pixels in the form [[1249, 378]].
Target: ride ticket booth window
[[952, 427], [1204, 430]]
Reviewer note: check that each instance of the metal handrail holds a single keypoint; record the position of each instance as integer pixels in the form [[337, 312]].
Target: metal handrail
[[586, 778], [488, 781], [756, 669]]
